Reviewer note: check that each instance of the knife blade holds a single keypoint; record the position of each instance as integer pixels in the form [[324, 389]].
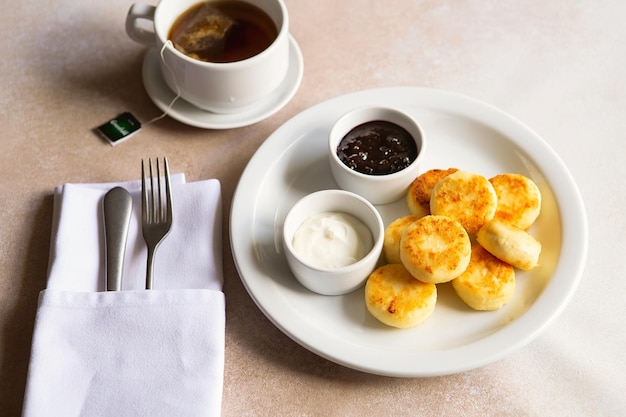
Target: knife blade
[[117, 206]]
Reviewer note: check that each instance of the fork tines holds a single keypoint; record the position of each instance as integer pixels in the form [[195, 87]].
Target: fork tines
[[152, 203]]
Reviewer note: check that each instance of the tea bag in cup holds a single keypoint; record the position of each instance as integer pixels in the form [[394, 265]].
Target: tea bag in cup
[[204, 35]]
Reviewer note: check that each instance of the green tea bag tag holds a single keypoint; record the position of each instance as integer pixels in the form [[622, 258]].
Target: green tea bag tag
[[120, 128]]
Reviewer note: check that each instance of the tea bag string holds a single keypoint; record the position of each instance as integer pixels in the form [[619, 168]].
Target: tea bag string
[[169, 107]]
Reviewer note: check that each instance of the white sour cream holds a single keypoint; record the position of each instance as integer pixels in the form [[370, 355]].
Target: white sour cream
[[332, 240]]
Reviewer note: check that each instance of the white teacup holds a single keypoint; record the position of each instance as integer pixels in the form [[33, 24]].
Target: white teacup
[[229, 87]]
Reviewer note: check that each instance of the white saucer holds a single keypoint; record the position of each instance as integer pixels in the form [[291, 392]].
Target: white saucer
[[189, 114]]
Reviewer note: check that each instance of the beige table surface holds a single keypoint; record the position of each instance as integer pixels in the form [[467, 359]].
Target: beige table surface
[[558, 66]]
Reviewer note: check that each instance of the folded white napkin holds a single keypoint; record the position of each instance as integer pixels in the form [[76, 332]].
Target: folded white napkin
[[132, 352]]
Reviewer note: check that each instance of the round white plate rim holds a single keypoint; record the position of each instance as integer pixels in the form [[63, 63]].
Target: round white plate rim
[[186, 113], [545, 309]]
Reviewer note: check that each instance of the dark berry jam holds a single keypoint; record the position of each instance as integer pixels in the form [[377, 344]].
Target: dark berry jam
[[377, 148]]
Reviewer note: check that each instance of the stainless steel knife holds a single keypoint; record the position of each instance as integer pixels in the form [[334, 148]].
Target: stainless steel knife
[[118, 206]]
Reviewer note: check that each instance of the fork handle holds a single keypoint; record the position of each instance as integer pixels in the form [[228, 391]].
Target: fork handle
[[150, 267], [118, 206]]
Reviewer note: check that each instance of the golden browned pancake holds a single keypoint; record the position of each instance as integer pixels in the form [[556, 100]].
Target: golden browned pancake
[[519, 199], [435, 249], [393, 235], [418, 195], [397, 299], [509, 244], [466, 197], [487, 284]]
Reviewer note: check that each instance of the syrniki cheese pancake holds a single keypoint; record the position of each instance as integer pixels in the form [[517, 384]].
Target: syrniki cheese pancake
[[435, 249], [519, 199], [393, 235], [509, 244], [397, 299], [466, 197], [487, 284], [418, 195]]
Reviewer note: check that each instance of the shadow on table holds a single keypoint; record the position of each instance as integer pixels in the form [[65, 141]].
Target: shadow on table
[[17, 333]]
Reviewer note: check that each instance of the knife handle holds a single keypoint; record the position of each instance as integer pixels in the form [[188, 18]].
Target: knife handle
[[118, 205]]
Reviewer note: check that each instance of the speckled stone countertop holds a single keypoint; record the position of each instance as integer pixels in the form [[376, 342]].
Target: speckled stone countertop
[[557, 66]]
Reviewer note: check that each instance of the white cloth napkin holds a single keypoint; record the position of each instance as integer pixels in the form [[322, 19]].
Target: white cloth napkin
[[132, 352]]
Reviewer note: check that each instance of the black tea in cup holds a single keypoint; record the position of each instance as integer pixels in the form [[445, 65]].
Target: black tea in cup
[[223, 31]]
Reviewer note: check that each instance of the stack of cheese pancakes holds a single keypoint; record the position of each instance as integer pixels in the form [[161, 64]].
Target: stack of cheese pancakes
[[464, 229]]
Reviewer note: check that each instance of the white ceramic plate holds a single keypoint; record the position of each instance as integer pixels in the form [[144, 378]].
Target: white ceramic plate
[[189, 114], [462, 133]]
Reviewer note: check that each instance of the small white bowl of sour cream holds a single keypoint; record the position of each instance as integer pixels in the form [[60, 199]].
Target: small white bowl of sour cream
[[332, 241]]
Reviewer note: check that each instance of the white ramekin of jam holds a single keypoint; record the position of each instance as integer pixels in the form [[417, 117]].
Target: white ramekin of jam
[[375, 152]]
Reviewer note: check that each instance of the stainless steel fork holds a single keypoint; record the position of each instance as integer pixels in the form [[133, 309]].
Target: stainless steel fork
[[156, 215]]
